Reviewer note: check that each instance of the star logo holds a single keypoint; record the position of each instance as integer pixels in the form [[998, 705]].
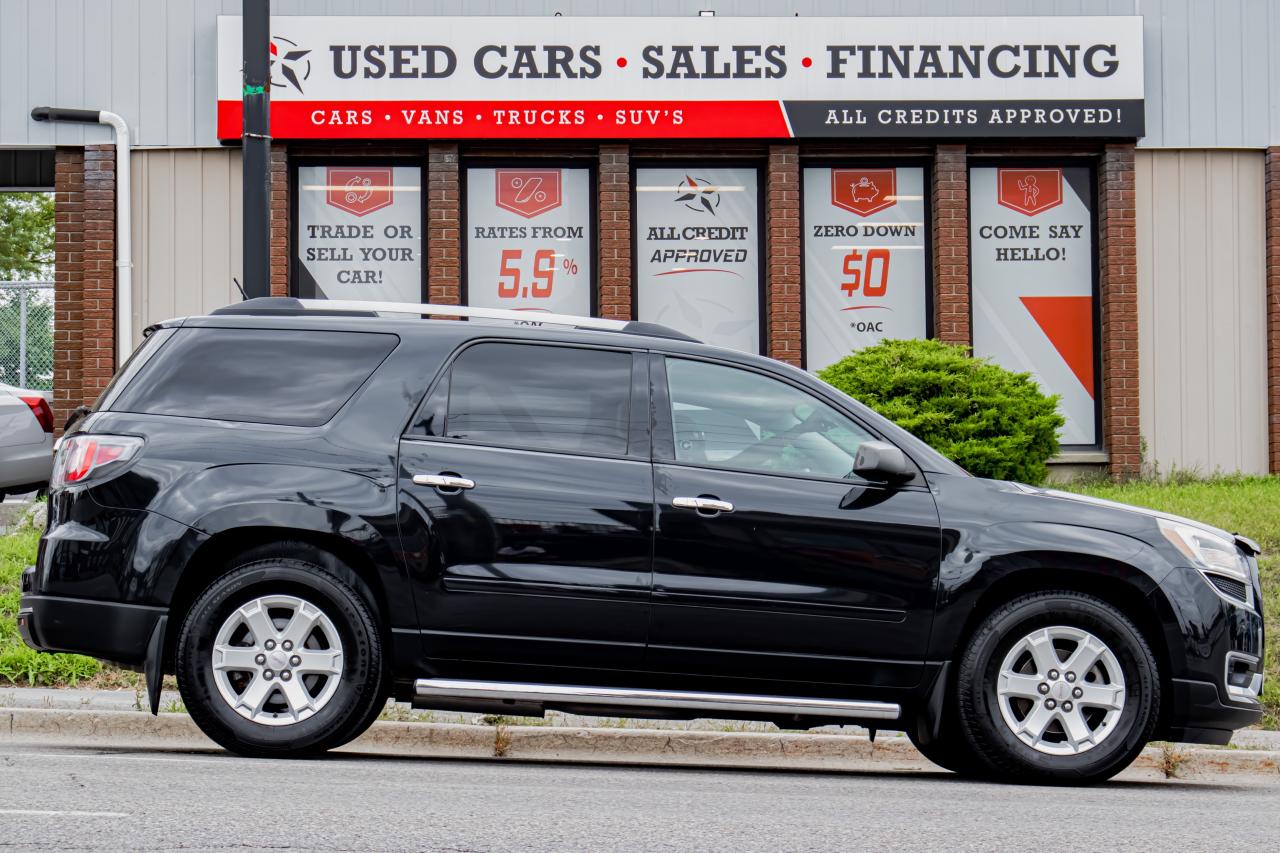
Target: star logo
[[699, 197], [291, 62]]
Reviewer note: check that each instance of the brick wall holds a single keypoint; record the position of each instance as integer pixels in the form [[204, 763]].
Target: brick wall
[[782, 249], [444, 235], [614, 240], [279, 215], [84, 325], [949, 203], [85, 272], [1272, 225], [1117, 252], [68, 275], [98, 350]]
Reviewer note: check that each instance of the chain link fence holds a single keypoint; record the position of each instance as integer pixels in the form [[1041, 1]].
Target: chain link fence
[[26, 334]]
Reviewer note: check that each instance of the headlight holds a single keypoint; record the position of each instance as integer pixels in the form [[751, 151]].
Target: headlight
[[1215, 556]]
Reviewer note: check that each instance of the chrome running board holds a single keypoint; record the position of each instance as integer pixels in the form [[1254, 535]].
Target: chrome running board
[[428, 690]]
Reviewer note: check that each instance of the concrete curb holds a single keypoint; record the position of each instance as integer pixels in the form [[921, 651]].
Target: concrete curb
[[760, 750]]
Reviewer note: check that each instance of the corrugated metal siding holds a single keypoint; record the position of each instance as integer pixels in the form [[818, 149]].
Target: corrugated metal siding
[[187, 233], [1202, 310], [1212, 69]]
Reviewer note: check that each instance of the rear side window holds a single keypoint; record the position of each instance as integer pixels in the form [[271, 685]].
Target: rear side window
[[544, 397], [268, 376]]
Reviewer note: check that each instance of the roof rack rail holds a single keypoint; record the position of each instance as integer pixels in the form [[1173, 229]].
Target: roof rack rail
[[359, 308]]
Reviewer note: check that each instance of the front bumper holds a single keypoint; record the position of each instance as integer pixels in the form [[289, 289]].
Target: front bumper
[[108, 630], [1216, 649], [1201, 716]]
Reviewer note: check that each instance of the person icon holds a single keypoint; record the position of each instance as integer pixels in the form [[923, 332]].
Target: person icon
[[1030, 192]]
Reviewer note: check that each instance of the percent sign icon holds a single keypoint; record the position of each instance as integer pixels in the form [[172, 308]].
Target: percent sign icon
[[570, 266], [527, 189]]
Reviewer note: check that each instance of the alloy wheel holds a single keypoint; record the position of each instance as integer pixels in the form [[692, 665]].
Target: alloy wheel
[[277, 660], [1060, 690]]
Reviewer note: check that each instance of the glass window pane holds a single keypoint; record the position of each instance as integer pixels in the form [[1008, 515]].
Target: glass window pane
[[281, 377], [698, 253], [1031, 234], [359, 233], [528, 239], [550, 398], [865, 259], [731, 418]]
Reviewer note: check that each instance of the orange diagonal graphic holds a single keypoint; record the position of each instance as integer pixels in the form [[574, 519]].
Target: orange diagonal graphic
[[1067, 321]]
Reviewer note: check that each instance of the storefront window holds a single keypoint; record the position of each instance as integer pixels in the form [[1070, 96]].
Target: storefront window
[[865, 264], [698, 253], [359, 233], [1031, 231], [528, 239]]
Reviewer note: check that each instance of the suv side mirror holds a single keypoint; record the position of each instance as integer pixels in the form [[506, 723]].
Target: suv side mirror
[[879, 460]]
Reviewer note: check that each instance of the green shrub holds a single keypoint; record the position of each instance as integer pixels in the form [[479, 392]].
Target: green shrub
[[991, 421], [20, 664]]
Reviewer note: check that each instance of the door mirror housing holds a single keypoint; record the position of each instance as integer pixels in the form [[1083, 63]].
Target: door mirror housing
[[879, 460]]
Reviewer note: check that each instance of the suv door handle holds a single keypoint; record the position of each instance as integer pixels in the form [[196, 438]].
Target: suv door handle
[[444, 481], [707, 506]]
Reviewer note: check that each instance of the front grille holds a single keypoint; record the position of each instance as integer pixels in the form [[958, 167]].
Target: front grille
[[1230, 587]]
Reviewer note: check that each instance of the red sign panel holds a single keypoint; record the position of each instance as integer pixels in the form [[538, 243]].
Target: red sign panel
[[359, 191], [528, 192], [864, 191], [1029, 191]]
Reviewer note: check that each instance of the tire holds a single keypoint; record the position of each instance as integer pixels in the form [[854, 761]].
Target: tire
[[1019, 695], [951, 751], [251, 703]]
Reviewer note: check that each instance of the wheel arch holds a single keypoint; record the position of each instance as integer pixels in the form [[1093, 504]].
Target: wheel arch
[[1125, 587], [1121, 593], [223, 551]]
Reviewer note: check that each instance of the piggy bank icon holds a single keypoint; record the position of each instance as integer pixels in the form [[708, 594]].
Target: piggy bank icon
[[865, 190]]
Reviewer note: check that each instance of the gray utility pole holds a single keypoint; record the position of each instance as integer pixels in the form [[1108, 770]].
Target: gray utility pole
[[256, 137]]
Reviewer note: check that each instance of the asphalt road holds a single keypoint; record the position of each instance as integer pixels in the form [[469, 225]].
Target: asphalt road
[[59, 797]]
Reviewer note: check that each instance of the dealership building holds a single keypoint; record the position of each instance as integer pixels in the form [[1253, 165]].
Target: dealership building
[[1092, 197]]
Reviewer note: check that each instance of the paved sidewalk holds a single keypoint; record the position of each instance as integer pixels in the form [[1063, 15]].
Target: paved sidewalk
[[111, 718], [12, 509], [70, 698]]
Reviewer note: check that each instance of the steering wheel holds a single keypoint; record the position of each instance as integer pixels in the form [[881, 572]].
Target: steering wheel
[[766, 451]]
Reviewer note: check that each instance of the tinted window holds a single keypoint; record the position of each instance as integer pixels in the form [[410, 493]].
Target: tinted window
[[269, 376], [150, 345], [731, 418], [551, 398]]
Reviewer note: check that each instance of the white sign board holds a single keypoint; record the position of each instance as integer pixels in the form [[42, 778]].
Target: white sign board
[[360, 233], [1031, 235], [529, 239], [698, 253], [864, 259], [487, 76]]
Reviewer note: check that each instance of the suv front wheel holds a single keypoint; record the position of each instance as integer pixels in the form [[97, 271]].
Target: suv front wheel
[[280, 657], [1057, 687]]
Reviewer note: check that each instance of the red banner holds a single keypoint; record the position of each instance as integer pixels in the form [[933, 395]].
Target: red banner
[[514, 119]]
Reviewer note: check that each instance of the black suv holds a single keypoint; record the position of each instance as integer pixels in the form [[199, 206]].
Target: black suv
[[304, 508]]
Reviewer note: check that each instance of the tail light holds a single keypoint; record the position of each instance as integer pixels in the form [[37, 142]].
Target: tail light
[[85, 457], [40, 408]]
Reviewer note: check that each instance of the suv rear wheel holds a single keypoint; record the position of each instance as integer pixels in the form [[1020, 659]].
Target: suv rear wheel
[[1057, 687], [280, 657]]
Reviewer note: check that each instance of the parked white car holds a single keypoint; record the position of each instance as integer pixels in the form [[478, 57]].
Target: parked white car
[[26, 440]]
